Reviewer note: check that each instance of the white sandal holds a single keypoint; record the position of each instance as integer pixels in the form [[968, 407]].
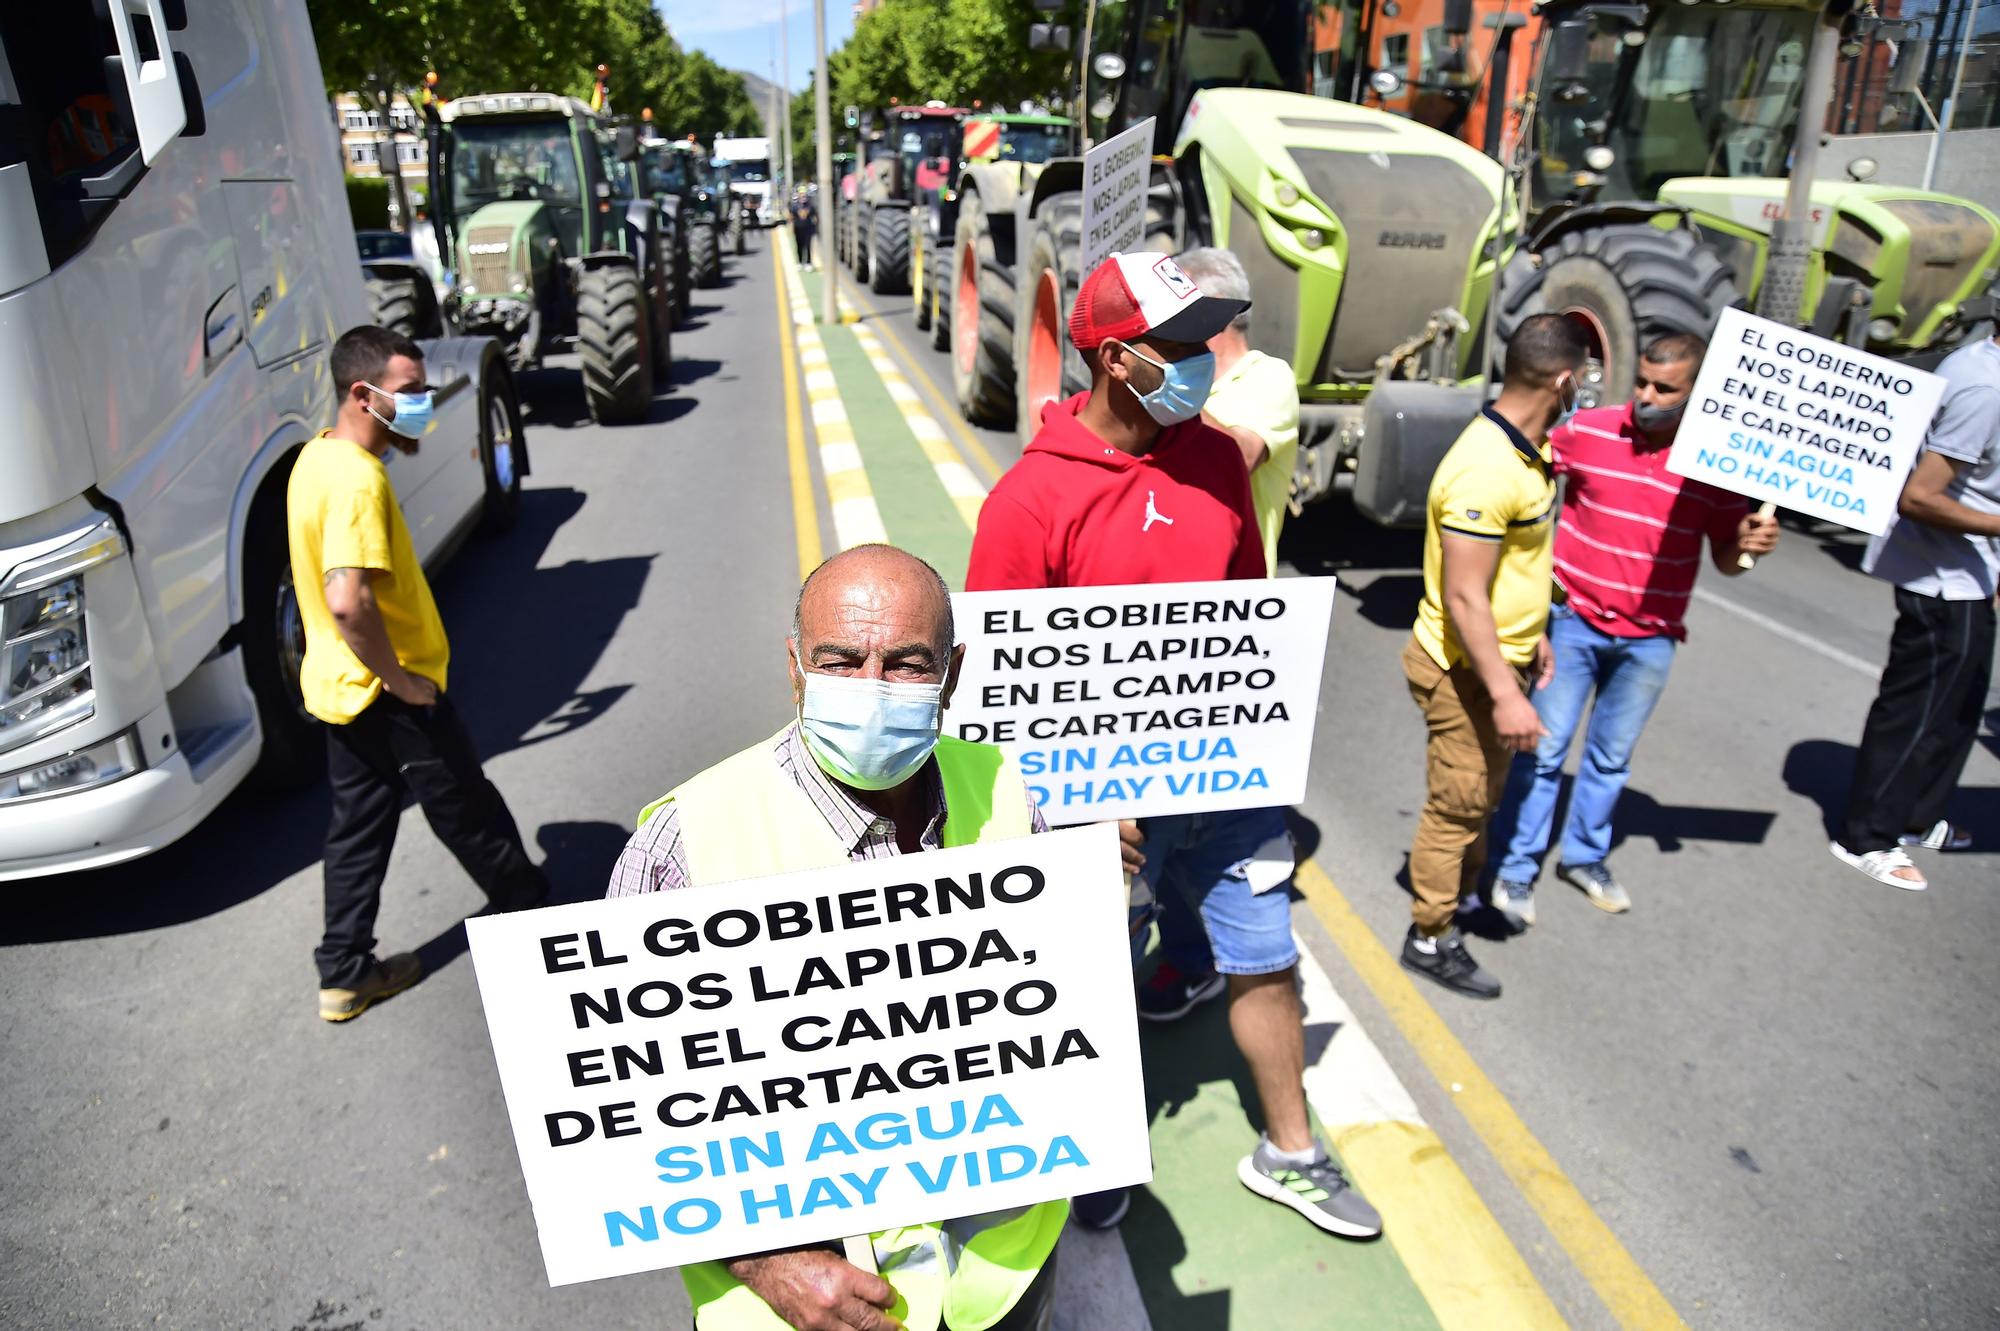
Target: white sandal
[[1943, 835], [1881, 865]]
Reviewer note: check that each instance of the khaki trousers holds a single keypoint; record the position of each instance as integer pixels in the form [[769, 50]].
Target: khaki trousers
[[1465, 770]]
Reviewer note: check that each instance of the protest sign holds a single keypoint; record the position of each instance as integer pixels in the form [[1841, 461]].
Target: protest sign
[[1116, 174], [1130, 702], [1808, 424], [727, 1069]]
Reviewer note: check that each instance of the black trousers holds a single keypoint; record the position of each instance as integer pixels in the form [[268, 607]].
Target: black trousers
[[390, 750], [804, 235], [1925, 718]]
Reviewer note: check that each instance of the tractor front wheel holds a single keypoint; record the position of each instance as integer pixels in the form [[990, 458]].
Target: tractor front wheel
[[705, 254], [614, 341], [1621, 287], [980, 291], [888, 251], [1046, 367]]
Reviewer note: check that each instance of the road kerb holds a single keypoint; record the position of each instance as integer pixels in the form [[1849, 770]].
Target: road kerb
[[805, 513], [1629, 1294], [1455, 1252], [967, 494], [856, 519]]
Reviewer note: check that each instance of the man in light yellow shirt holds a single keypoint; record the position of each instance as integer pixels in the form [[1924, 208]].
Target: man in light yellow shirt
[[374, 672], [1255, 399]]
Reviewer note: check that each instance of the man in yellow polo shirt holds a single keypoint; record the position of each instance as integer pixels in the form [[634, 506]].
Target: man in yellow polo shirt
[[374, 671], [861, 773], [1478, 640]]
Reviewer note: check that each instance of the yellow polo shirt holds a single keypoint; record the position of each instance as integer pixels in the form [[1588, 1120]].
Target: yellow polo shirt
[[1493, 486], [1260, 393], [341, 512]]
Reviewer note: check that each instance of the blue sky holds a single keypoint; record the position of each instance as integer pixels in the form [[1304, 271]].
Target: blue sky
[[743, 34]]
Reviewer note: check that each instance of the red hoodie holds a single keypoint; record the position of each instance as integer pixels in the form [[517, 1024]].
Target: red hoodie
[[1076, 512]]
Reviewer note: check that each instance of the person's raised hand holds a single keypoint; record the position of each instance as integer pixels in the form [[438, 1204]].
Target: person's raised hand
[[1519, 726], [1130, 840], [816, 1290]]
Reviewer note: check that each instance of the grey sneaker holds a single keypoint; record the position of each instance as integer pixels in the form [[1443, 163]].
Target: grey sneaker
[[1515, 902], [1604, 891], [1318, 1191]]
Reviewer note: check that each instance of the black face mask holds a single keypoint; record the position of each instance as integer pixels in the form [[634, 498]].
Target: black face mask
[[1654, 419]]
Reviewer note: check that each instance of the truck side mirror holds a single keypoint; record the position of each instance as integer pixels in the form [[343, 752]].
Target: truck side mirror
[[1569, 52], [1048, 36], [628, 144], [1908, 73], [1457, 17]]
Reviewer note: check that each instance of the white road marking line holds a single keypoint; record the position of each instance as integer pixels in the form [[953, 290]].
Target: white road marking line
[[1872, 670], [959, 482], [856, 518]]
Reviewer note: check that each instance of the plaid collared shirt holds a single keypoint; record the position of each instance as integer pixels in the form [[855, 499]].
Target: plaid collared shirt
[[655, 859]]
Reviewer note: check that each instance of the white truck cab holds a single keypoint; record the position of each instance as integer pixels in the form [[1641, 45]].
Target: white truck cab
[[176, 260], [750, 175]]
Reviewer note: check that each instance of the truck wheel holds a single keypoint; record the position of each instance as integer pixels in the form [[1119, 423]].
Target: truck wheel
[[1622, 286], [981, 292], [705, 255], [889, 251], [935, 288], [615, 344], [502, 455], [274, 649], [392, 303], [918, 279], [1047, 368], [857, 250]]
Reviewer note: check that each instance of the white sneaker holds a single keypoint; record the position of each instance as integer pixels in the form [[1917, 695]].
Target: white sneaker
[[1884, 866]]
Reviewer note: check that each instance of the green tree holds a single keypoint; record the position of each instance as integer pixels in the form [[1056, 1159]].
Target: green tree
[[958, 51]]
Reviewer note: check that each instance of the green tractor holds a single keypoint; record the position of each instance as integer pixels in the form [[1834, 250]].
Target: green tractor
[[1655, 165], [553, 246], [677, 174], [1003, 146], [910, 151], [1372, 242]]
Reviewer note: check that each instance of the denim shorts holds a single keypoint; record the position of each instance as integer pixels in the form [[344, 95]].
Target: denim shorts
[[1196, 868]]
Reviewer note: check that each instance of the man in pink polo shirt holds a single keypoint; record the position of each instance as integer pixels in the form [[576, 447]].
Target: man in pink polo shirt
[[1628, 547]]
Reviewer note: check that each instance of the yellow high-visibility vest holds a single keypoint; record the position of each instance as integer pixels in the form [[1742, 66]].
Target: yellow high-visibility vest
[[744, 818]]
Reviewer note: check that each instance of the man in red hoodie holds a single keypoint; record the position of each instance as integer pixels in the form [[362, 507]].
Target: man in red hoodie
[[1126, 484]]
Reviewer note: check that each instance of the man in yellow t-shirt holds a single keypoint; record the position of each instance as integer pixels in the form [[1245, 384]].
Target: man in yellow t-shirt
[[1478, 640], [1255, 400], [374, 671]]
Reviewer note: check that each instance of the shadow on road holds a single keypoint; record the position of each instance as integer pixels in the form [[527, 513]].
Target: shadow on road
[[1333, 537], [523, 641], [1822, 769], [1842, 544], [577, 858]]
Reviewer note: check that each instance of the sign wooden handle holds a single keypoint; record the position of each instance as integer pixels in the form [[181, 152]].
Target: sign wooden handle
[[1764, 510], [861, 1252]]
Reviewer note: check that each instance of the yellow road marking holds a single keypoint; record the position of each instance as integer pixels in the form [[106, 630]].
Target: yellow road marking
[[805, 514], [1627, 1291]]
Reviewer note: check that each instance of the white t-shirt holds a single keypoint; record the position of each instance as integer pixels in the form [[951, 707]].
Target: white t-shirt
[[1950, 565]]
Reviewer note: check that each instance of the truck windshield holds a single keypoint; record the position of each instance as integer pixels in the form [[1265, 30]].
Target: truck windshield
[[57, 117], [1701, 92], [502, 159], [1032, 143], [750, 171]]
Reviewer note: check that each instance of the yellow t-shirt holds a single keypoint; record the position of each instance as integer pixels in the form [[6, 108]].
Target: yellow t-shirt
[[1493, 488], [341, 512], [1260, 393]]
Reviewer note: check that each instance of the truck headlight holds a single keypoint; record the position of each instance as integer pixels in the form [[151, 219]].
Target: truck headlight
[[44, 661], [98, 765]]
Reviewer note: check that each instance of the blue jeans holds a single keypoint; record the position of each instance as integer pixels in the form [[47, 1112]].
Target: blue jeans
[[1210, 920], [1628, 675]]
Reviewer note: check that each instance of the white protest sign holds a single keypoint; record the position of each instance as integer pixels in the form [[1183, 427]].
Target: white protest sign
[[1116, 174], [1130, 702], [727, 1069], [1808, 424]]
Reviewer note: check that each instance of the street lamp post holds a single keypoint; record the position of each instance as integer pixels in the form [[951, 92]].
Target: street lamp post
[[823, 123]]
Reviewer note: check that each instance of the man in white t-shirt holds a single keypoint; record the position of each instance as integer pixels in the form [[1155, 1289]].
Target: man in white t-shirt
[[1255, 399]]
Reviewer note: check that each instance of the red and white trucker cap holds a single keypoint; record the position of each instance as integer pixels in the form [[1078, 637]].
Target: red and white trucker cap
[[1133, 295]]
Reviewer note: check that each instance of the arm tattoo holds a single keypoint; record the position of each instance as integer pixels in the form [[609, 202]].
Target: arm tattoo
[[333, 573]]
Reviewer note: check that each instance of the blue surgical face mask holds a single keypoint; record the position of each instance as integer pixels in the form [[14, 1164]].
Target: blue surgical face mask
[[1566, 413], [413, 411], [869, 733], [1182, 393]]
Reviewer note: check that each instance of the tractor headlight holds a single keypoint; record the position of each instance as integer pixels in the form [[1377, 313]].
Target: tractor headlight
[[519, 286], [1598, 157], [1881, 330], [1288, 195], [1312, 237]]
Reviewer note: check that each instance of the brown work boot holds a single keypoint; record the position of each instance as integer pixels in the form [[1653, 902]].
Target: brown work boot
[[391, 975]]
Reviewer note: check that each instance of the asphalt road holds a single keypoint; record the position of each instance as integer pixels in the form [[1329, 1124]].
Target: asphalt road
[[1767, 1079]]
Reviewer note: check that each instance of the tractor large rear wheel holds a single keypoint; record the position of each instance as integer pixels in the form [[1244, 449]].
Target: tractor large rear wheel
[[614, 341], [1621, 286], [392, 303], [705, 254], [1046, 367], [888, 250], [981, 294]]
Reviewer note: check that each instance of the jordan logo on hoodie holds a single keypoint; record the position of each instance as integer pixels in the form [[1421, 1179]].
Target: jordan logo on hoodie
[[1153, 515]]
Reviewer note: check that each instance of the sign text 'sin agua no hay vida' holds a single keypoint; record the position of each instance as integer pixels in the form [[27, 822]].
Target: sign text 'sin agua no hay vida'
[[1132, 702], [728, 1069], [1811, 425]]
